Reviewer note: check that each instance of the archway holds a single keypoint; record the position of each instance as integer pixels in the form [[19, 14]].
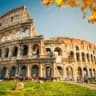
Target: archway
[[3, 72], [49, 52], [48, 73], [15, 51], [12, 71], [23, 72], [57, 51], [24, 50], [85, 74], [79, 72], [90, 72], [36, 50], [69, 73], [35, 71], [60, 73], [94, 73], [6, 52]]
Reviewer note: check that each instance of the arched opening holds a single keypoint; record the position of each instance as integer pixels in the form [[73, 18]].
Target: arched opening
[[58, 51], [35, 71], [49, 52], [90, 72], [77, 48], [87, 56], [94, 73], [60, 73], [15, 51], [71, 54], [3, 73], [27, 32], [79, 72], [83, 57], [85, 75], [69, 73], [78, 57], [12, 71], [91, 58], [23, 73], [24, 50], [48, 73], [36, 51], [6, 52]]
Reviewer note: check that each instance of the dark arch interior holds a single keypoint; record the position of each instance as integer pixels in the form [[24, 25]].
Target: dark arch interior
[[24, 50], [6, 52], [58, 50], [15, 51], [35, 71]]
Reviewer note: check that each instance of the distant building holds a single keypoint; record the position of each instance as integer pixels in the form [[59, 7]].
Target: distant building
[[27, 55]]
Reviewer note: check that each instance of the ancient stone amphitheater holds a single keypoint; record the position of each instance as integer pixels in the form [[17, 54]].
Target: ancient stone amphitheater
[[26, 55]]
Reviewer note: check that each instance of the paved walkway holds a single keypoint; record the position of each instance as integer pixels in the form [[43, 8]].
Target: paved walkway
[[88, 85]]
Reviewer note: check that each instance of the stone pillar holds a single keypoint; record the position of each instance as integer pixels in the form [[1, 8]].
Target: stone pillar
[[3, 53], [28, 75], [41, 71], [32, 30], [30, 50], [10, 52], [19, 52], [6, 74], [42, 48], [54, 72], [75, 74]]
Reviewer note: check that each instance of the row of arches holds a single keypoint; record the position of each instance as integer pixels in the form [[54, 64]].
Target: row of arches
[[17, 35], [35, 72], [24, 49], [57, 51], [84, 57]]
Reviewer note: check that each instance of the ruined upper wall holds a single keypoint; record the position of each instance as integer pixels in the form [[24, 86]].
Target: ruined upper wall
[[72, 43], [13, 17]]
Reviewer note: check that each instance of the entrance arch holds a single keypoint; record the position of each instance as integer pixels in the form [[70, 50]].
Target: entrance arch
[[48, 73], [12, 71], [79, 72], [60, 73], [85, 74], [23, 72], [35, 71], [90, 72], [3, 72], [69, 73]]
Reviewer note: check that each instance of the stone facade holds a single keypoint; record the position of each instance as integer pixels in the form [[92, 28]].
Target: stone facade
[[26, 55]]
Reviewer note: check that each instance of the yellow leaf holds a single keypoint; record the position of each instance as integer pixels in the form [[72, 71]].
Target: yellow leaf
[[59, 3]]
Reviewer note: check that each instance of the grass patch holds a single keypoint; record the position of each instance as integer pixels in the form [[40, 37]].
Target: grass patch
[[45, 89]]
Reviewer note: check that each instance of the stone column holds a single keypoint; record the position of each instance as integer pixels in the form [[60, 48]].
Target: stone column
[[3, 53], [41, 71], [32, 30], [10, 52], [28, 75], [6, 74], [30, 50], [19, 52], [54, 72]]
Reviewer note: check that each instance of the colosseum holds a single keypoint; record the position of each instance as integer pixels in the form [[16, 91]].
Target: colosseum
[[28, 56]]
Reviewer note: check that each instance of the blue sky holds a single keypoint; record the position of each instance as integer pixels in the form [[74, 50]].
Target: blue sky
[[53, 21]]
